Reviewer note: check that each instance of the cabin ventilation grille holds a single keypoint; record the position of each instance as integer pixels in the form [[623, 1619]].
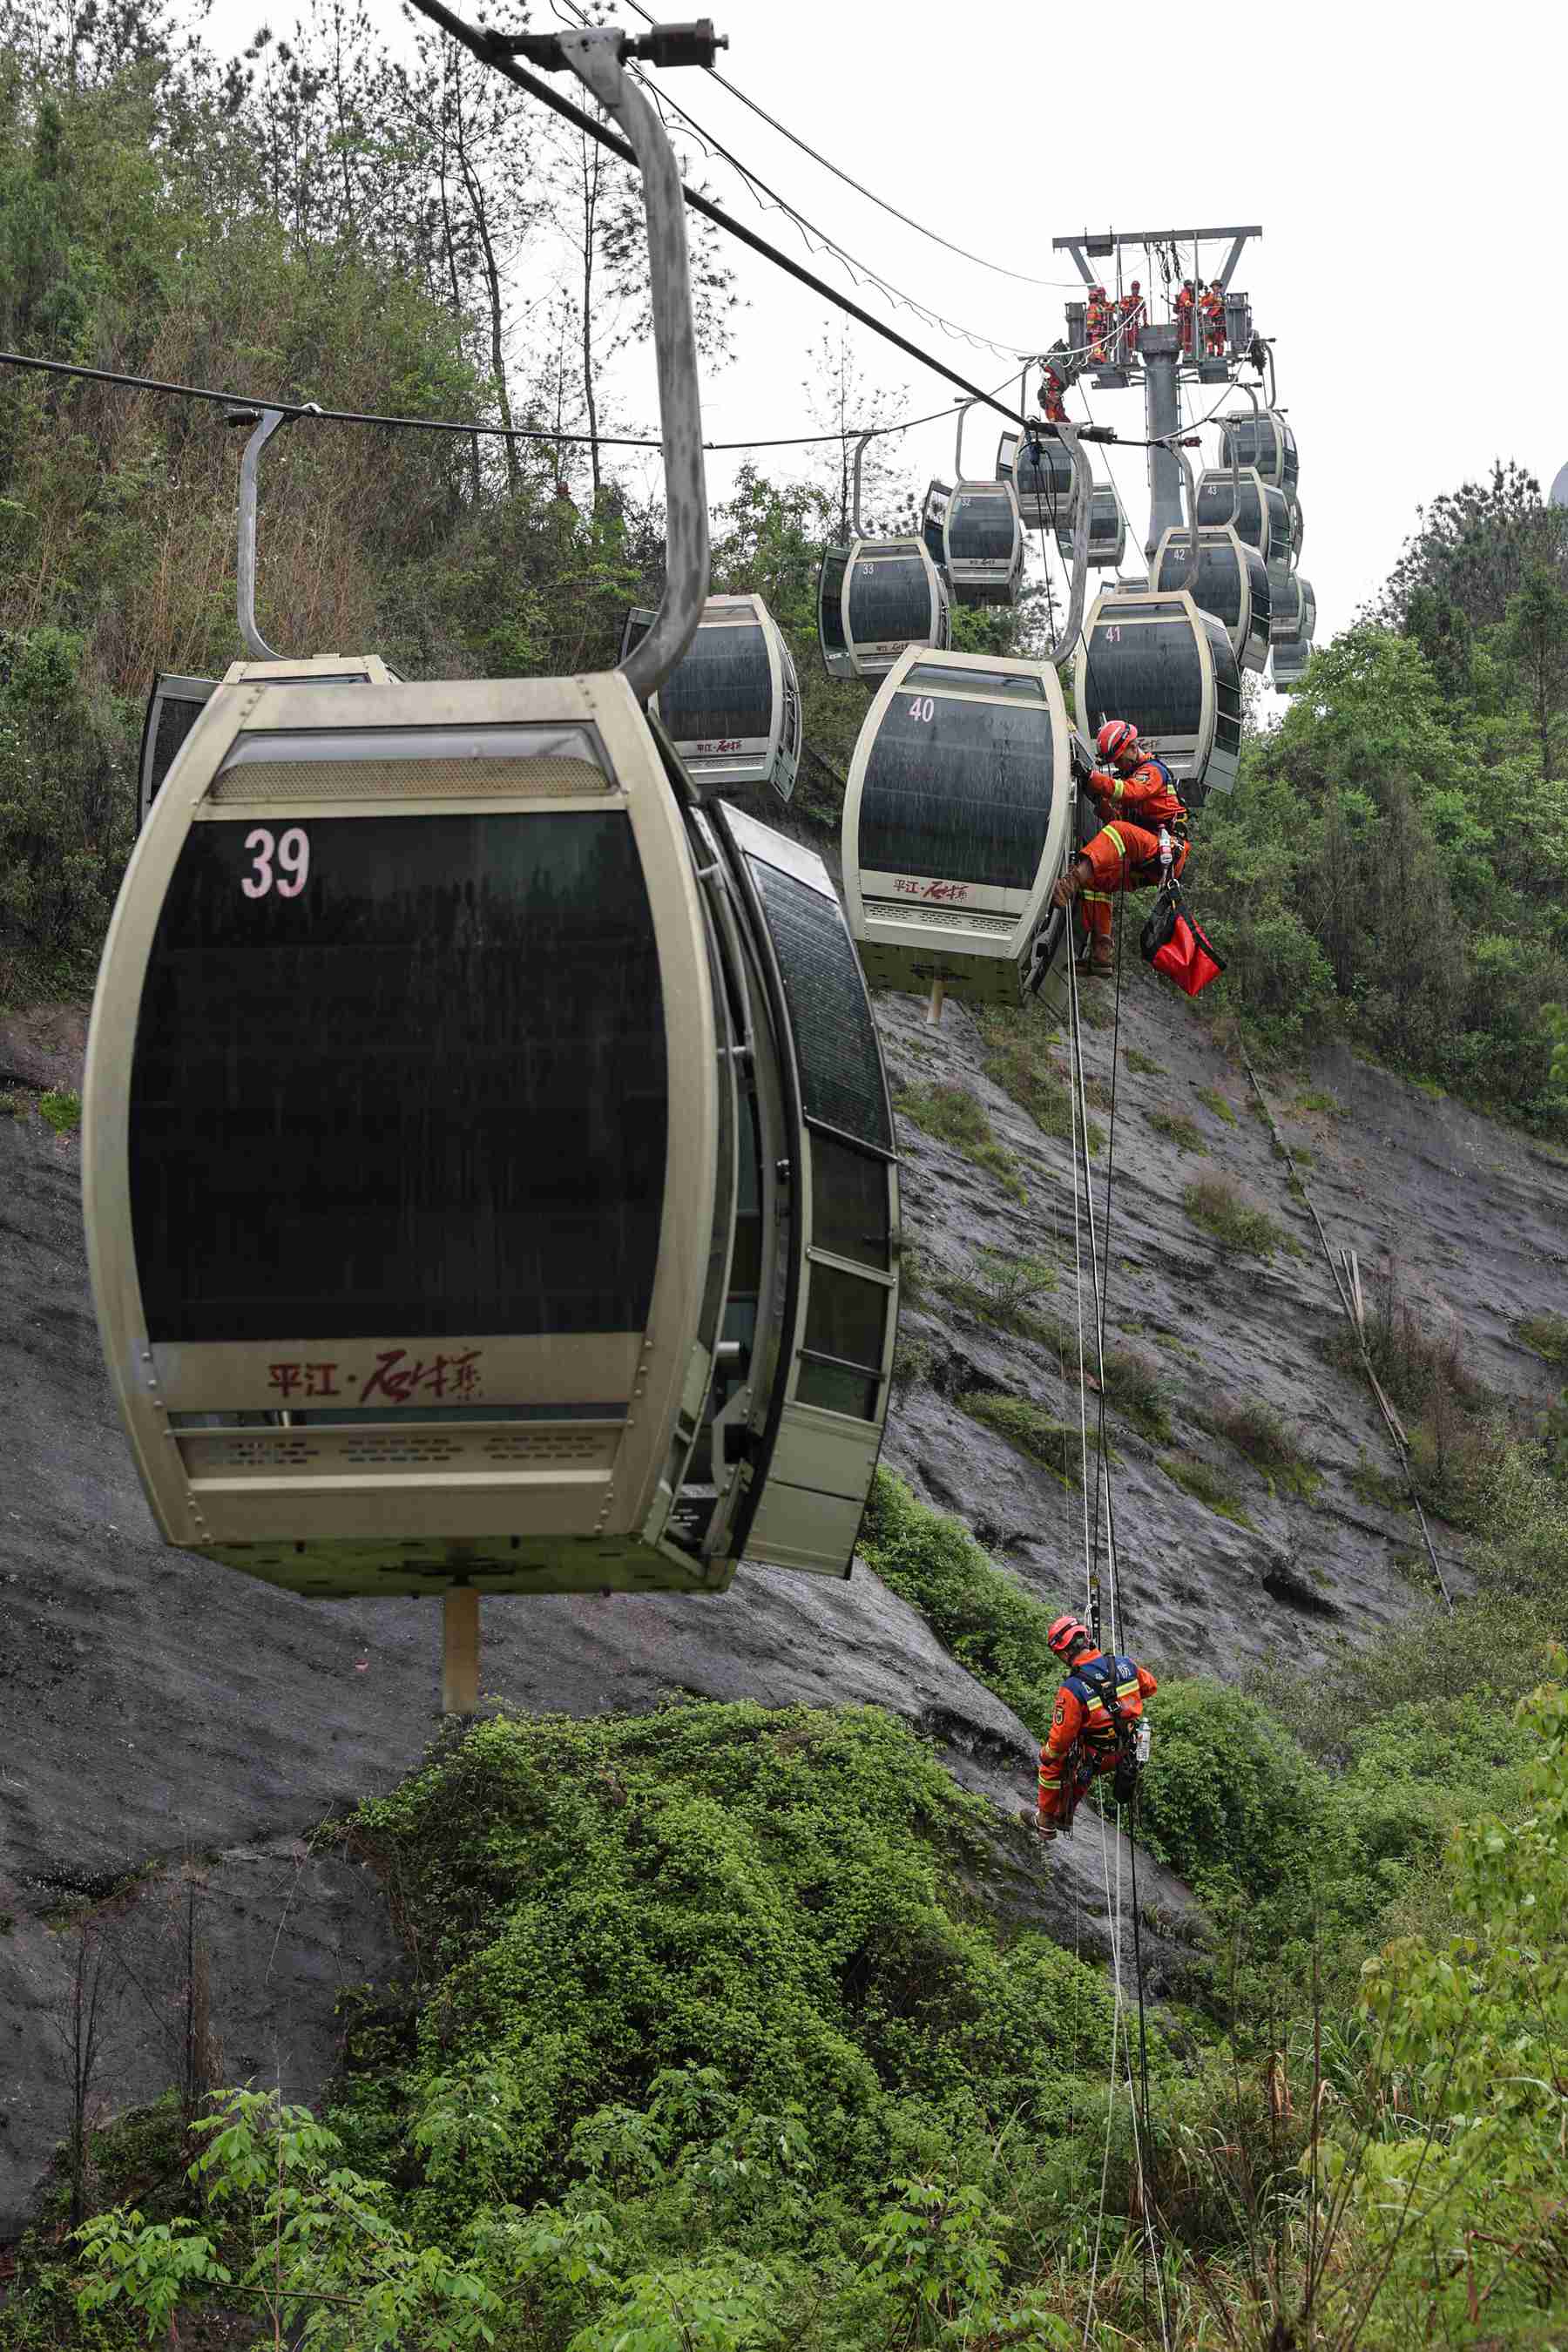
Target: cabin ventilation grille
[[947, 918]]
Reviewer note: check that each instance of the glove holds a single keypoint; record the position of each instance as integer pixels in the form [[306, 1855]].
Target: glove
[[1101, 785]]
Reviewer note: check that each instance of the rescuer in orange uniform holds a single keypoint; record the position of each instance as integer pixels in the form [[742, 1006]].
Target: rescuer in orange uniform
[[1050, 396], [1137, 797], [1098, 322], [1094, 1727], [1129, 317], [1212, 307], [1186, 302]]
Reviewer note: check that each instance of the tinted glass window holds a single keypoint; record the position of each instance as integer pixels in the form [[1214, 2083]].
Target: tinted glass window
[[1262, 594], [958, 791], [1149, 672], [846, 1317], [1227, 688], [936, 677], [171, 719], [836, 1389], [980, 526], [721, 687], [424, 1095], [830, 611], [1043, 470], [890, 596], [849, 1200], [1217, 587], [835, 1045]]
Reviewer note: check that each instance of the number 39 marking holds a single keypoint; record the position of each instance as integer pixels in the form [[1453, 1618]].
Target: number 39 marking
[[293, 856], [923, 707]]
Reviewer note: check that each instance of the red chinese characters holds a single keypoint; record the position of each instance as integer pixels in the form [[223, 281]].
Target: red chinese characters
[[943, 891], [396, 1378]]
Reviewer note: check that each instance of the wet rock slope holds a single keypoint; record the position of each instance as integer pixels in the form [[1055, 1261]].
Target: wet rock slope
[[173, 1734]]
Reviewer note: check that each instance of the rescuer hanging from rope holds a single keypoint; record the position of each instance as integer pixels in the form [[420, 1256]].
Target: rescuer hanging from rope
[[1097, 1726], [1143, 838]]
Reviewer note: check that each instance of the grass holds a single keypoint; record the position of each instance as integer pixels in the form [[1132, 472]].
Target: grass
[[1381, 1490], [1217, 1207], [1211, 1099], [1547, 1333], [1455, 1423], [1051, 1444], [1139, 1062], [1204, 1483], [62, 1111], [1018, 1059], [1257, 1430], [914, 1359], [952, 1115], [1178, 1129], [1302, 1157], [1317, 1102]]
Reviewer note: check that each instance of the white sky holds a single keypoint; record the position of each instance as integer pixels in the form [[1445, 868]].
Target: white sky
[[1405, 172]]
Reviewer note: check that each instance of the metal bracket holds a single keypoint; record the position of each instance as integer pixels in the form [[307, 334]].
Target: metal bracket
[[1083, 488], [854, 498], [266, 422], [596, 58]]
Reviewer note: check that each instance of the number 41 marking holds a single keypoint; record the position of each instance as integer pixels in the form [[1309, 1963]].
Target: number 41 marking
[[293, 856]]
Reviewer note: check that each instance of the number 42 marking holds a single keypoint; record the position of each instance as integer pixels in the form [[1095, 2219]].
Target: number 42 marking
[[293, 856]]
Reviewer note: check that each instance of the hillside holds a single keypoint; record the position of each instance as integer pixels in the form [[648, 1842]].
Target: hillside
[[184, 1719]]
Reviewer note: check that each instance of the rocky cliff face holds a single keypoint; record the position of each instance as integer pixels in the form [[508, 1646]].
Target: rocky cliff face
[[172, 1733]]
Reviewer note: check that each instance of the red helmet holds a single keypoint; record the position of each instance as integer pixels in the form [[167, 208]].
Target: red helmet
[[1118, 741], [1066, 1633]]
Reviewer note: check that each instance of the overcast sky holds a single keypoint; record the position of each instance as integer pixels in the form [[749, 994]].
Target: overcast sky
[[1406, 181]]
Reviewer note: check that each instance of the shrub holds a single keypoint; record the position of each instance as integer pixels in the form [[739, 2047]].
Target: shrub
[[1018, 1059], [1211, 1099], [1178, 1129], [1547, 1333], [1139, 1062], [1215, 1204], [954, 1115], [1200, 1479], [1318, 1101], [61, 1111], [1232, 1792], [1257, 1430], [979, 1614], [1051, 1444], [1000, 1291], [1134, 1387]]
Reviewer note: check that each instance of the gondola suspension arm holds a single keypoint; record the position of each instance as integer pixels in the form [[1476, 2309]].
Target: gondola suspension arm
[[1083, 505], [266, 422]]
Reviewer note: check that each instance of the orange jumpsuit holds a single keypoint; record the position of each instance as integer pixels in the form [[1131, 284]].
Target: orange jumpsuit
[[1129, 311], [1097, 325], [1051, 400], [1214, 323], [1089, 1729], [1184, 302], [1125, 854]]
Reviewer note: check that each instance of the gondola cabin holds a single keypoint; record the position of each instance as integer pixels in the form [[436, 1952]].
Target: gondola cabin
[[1265, 443], [1044, 481], [1309, 610], [732, 704], [933, 519], [982, 543], [1106, 531], [1285, 613], [956, 822], [1006, 455], [176, 703], [1154, 657], [1297, 529], [1229, 580], [1289, 665], [875, 597], [1253, 508], [488, 1172]]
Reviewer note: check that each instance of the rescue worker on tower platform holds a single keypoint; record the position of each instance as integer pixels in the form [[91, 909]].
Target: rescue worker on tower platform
[[1094, 1726], [1097, 321], [1129, 317], [1213, 307], [1143, 839], [1186, 302]]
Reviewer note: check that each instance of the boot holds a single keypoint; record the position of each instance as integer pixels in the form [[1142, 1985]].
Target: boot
[[1079, 875], [1100, 962]]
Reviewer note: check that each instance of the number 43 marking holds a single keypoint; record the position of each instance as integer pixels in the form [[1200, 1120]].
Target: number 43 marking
[[293, 856]]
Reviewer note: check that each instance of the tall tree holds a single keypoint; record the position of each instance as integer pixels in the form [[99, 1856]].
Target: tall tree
[[1535, 641]]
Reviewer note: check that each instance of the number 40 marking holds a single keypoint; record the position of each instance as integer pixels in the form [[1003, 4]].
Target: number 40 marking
[[293, 856]]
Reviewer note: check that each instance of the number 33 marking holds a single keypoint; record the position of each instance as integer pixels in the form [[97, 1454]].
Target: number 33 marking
[[293, 856]]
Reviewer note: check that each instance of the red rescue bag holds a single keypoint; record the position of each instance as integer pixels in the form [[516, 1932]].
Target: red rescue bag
[[1175, 945]]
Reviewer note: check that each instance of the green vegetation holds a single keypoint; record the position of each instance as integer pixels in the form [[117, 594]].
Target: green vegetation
[[954, 1116], [61, 1111], [1319, 1102], [1001, 1291], [1244, 1231], [1211, 1099], [1259, 1432], [1178, 1129], [1139, 1062], [1018, 1059], [1136, 1389], [1547, 1333], [1200, 1479], [1051, 1444], [1456, 1425]]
